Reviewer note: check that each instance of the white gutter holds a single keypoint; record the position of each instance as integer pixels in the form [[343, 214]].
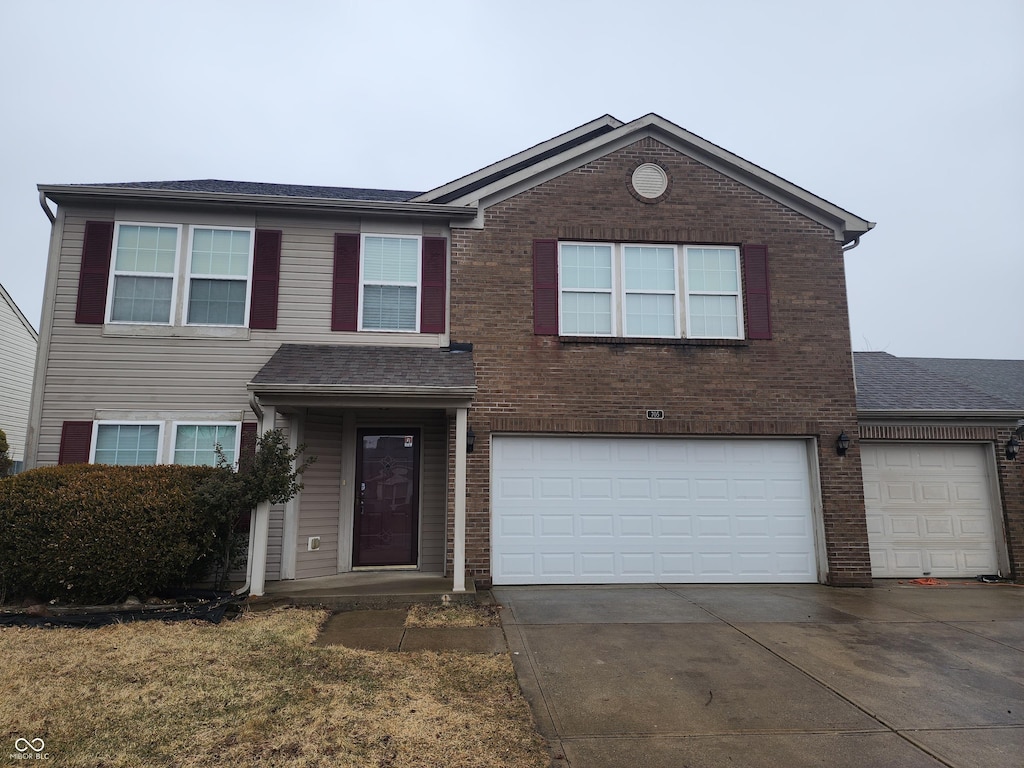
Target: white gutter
[[46, 209], [384, 207]]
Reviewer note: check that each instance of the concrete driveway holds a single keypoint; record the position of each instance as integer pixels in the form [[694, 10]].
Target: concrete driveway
[[780, 676]]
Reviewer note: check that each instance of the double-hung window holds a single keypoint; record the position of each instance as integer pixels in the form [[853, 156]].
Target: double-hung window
[[587, 285], [144, 273], [220, 266], [651, 290], [390, 280], [637, 290], [713, 292]]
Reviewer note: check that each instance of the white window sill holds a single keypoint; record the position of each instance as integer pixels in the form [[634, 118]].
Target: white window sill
[[649, 341]]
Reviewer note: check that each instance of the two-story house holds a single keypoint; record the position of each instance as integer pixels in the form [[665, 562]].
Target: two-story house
[[17, 363], [621, 355]]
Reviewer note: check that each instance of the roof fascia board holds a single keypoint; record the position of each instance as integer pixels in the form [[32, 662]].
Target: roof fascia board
[[367, 400], [605, 121], [60, 193], [19, 314], [361, 390], [845, 225]]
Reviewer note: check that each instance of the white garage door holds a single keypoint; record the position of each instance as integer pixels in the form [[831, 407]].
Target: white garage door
[[929, 510], [588, 510]]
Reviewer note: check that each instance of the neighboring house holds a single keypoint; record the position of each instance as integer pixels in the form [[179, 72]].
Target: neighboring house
[[17, 362], [943, 498], [621, 355]]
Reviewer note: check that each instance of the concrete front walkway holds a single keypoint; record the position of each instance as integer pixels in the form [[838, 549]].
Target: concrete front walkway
[[759, 676]]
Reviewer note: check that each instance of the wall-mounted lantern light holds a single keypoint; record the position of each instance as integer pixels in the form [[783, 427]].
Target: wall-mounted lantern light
[[1012, 447], [470, 440], [842, 444]]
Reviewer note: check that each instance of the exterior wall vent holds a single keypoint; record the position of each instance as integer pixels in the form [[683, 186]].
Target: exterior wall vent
[[650, 181]]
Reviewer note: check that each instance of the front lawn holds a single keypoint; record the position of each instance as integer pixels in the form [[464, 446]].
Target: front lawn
[[255, 691]]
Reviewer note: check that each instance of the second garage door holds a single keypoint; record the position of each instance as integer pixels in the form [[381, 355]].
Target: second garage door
[[593, 510], [929, 510]]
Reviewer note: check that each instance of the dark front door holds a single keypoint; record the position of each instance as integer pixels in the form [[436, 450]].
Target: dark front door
[[387, 497]]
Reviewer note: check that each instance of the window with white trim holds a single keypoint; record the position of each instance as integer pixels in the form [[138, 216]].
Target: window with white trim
[[390, 283], [197, 444], [144, 273], [220, 266], [126, 443], [151, 442], [148, 266], [638, 290], [713, 292]]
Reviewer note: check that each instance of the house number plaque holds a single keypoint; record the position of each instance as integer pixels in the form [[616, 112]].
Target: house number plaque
[[655, 414]]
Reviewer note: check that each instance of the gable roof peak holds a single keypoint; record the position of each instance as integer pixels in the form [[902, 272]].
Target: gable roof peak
[[590, 141]]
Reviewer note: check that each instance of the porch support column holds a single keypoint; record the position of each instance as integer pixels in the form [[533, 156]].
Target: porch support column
[[290, 532], [261, 523], [459, 555]]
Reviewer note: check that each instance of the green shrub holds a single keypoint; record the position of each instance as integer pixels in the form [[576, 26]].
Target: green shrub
[[95, 533]]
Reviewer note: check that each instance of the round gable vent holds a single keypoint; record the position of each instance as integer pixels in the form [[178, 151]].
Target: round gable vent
[[650, 181]]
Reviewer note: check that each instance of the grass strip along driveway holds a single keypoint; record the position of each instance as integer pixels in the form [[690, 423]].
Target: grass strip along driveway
[[255, 690]]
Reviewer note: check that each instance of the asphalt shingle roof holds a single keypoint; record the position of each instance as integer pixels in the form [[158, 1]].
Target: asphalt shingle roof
[[1001, 378], [365, 368], [886, 382], [219, 186]]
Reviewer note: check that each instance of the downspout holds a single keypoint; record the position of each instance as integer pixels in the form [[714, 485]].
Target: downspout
[[851, 246], [254, 403]]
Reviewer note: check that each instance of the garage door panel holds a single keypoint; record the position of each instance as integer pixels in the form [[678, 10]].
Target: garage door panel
[[929, 510], [634, 510]]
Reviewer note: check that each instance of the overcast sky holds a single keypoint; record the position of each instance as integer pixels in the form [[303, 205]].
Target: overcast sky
[[909, 113]]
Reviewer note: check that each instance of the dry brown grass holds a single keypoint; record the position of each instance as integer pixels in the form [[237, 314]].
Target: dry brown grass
[[430, 615], [256, 691]]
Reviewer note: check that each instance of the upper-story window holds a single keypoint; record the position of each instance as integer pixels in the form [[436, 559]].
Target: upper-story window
[[642, 291], [144, 274], [713, 292], [220, 265], [390, 280], [147, 273]]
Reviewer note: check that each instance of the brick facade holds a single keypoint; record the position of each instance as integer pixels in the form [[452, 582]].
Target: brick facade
[[799, 383]]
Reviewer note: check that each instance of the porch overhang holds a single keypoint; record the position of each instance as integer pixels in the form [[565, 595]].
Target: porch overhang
[[340, 377], [351, 376]]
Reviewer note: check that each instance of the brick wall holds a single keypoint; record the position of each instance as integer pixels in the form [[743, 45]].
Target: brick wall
[[800, 383]]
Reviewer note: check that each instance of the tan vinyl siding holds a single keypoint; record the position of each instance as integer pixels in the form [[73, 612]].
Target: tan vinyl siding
[[319, 505], [92, 367], [273, 572], [17, 364]]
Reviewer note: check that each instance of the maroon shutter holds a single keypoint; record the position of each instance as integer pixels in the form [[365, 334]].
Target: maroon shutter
[[247, 441], [266, 270], [434, 282], [95, 270], [545, 287], [345, 299], [756, 293], [75, 442]]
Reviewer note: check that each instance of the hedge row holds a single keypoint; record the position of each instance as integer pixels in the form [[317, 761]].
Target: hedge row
[[91, 533]]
